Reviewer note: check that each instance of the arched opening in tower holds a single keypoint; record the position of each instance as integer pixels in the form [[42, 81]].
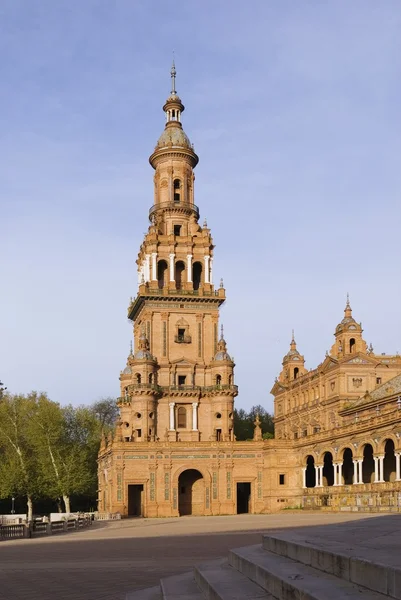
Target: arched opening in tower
[[352, 345], [197, 275], [191, 493], [328, 469], [177, 190], [179, 274], [348, 467], [310, 478], [389, 461], [368, 464], [296, 371], [162, 273], [182, 417]]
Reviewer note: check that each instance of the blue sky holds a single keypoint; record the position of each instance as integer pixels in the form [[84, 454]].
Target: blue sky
[[294, 111]]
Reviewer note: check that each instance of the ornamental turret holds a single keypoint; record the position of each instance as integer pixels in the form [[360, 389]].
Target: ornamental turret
[[293, 363], [348, 336]]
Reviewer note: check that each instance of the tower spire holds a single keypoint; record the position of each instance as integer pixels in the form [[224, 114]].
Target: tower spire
[[348, 309], [173, 73]]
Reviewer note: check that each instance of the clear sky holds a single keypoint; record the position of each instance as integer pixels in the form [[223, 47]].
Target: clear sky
[[294, 111]]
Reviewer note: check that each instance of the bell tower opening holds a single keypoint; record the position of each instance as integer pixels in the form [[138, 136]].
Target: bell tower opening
[[177, 190], [197, 275], [352, 346]]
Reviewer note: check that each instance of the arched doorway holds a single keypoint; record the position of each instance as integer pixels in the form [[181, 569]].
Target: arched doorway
[[179, 274], [389, 461], [310, 478], [368, 464], [162, 273], [197, 275], [328, 469], [348, 467], [191, 493]]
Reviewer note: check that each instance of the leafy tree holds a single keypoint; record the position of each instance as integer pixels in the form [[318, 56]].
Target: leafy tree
[[106, 412], [244, 423]]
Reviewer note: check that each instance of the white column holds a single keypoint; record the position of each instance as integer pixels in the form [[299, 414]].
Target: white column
[[321, 475], [360, 462], [381, 468], [194, 416], [172, 256], [304, 477], [375, 458], [335, 474], [340, 474], [139, 275], [171, 405], [147, 267], [397, 466], [189, 267], [356, 472], [207, 258], [317, 476], [211, 270], [154, 266]]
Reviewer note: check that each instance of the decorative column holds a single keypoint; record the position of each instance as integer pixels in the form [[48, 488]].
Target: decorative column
[[154, 266], [397, 466], [335, 465], [319, 476], [171, 405], [376, 459], [381, 468], [211, 270], [207, 258], [340, 474], [147, 267], [172, 256], [304, 477], [189, 267], [194, 416], [360, 462], [356, 472]]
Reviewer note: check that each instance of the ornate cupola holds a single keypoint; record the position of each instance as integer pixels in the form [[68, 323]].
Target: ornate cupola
[[348, 335], [293, 363]]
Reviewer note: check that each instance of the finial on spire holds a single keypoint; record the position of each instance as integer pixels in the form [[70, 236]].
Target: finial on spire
[[130, 348], [205, 222], [173, 73], [293, 339], [222, 332], [347, 300], [221, 282]]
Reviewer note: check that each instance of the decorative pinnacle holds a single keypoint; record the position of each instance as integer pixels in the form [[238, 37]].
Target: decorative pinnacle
[[173, 73], [205, 222], [221, 283], [348, 305], [130, 347], [222, 332], [292, 339]]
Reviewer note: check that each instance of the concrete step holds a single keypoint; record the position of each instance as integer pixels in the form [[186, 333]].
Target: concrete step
[[337, 558], [180, 587], [219, 581], [286, 579], [153, 593]]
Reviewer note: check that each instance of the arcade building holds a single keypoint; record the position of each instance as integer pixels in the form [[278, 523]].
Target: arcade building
[[337, 427]]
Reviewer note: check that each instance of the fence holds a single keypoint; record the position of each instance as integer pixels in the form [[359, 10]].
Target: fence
[[37, 529]]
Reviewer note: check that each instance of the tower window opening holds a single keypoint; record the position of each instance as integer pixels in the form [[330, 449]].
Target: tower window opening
[[177, 229], [182, 379], [179, 272], [181, 335], [218, 435], [150, 378], [138, 378], [138, 433], [197, 275], [181, 418], [177, 190], [162, 273], [296, 371], [378, 380], [173, 113], [352, 345], [218, 380], [282, 479]]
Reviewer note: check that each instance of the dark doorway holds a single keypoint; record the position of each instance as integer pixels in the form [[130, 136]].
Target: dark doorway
[[179, 274], [135, 500], [328, 469], [243, 497], [368, 465], [191, 493], [162, 271], [348, 467], [389, 462], [197, 275], [310, 479]]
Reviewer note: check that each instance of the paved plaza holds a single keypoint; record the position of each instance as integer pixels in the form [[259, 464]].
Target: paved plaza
[[112, 559]]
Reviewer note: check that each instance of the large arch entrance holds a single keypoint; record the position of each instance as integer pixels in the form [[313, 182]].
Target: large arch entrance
[[310, 476], [328, 469], [348, 467], [191, 493], [389, 461], [368, 464]]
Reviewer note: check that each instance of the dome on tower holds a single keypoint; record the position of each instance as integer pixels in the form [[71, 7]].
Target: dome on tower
[[292, 353], [173, 136], [222, 353], [348, 321], [143, 351]]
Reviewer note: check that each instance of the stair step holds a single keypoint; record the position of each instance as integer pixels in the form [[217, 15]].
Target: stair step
[[286, 579], [152, 593], [219, 581], [180, 587], [338, 559]]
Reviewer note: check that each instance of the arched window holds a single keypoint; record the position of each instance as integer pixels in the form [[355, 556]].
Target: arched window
[[162, 273], [218, 380], [177, 190], [197, 275], [150, 378], [310, 475], [230, 380], [179, 272], [352, 345], [138, 377], [296, 371], [389, 461], [182, 418], [126, 392]]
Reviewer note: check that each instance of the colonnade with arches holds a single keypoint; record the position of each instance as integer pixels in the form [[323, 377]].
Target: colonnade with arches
[[178, 271], [350, 468]]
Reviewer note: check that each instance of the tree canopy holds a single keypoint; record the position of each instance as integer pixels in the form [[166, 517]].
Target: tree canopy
[[244, 423]]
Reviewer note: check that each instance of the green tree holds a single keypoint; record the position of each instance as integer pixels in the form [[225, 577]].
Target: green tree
[[244, 423], [106, 412], [20, 474]]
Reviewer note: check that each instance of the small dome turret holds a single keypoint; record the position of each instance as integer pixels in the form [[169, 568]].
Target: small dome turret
[[143, 351], [222, 353]]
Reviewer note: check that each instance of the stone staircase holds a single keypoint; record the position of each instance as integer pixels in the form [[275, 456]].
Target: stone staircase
[[284, 567]]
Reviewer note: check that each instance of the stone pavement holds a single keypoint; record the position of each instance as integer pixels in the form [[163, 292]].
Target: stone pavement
[[112, 559]]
